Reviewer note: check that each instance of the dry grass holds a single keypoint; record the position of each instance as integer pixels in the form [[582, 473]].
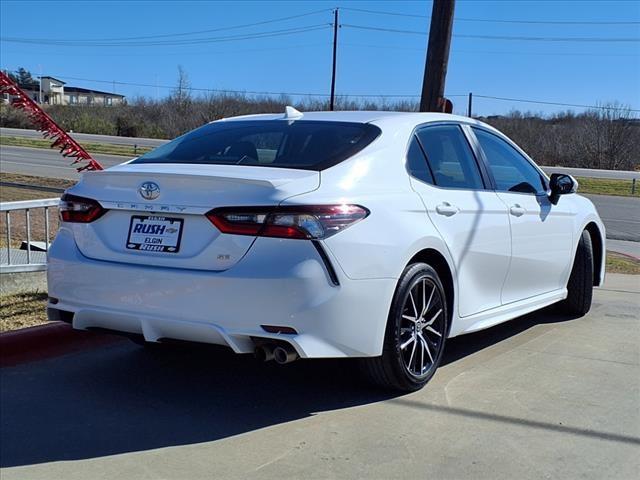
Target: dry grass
[[18, 219], [618, 263], [21, 310]]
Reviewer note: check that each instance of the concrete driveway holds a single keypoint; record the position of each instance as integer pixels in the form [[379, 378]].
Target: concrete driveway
[[544, 396]]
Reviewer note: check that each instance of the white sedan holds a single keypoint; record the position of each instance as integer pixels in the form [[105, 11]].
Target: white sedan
[[325, 234]]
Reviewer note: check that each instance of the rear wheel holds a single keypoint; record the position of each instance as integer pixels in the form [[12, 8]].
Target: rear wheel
[[415, 334], [580, 285]]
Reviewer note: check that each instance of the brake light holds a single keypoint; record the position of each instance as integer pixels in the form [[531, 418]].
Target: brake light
[[306, 222], [77, 209]]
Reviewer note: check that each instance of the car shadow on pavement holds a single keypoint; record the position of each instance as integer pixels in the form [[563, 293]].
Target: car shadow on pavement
[[123, 398]]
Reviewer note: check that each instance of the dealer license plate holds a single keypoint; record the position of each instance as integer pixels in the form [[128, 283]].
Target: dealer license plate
[[155, 234]]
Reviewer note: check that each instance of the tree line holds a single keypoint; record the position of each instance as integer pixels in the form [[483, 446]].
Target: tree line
[[607, 137]]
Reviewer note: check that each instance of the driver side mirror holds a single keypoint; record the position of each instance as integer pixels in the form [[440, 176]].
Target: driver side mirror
[[561, 184]]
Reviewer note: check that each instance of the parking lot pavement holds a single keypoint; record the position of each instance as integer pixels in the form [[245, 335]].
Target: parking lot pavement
[[542, 396]]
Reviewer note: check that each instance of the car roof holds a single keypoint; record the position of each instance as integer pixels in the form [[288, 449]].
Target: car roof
[[363, 116]]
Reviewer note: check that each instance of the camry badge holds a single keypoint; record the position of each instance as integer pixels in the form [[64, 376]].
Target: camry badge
[[149, 190]]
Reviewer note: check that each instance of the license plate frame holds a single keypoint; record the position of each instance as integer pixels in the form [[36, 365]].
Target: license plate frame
[[156, 242]]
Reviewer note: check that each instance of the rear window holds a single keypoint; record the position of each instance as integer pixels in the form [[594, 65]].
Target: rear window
[[301, 144]]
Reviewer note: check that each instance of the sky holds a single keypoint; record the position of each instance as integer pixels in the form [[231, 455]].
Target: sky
[[75, 42]]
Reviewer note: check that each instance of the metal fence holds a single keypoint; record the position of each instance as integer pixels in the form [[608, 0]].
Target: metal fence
[[30, 257]]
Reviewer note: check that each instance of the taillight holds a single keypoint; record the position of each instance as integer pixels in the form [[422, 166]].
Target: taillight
[[309, 222], [77, 209]]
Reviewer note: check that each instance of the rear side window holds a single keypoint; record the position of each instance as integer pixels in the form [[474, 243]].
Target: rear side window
[[450, 157], [417, 162], [300, 144], [511, 171]]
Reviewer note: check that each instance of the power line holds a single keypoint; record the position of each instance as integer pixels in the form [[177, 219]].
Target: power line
[[542, 102], [501, 37], [494, 52], [181, 34], [195, 41], [490, 20], [356, 95]]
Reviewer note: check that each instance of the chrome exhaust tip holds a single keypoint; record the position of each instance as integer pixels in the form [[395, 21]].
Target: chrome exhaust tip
[[284, 354], [264, 353]]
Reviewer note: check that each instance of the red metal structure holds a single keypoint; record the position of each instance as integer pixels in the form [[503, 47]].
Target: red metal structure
[[49, 128]]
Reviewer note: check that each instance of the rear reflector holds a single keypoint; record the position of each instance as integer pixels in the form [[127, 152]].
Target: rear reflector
[[77, 209], [306, 222]]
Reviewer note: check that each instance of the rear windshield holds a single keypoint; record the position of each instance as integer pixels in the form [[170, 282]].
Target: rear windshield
[[301, 144]]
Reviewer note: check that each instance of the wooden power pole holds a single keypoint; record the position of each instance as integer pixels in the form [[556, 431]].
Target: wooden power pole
[[435, 70], [332, 100]]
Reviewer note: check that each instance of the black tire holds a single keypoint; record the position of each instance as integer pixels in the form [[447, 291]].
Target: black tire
[[580, 285], [391, 370]]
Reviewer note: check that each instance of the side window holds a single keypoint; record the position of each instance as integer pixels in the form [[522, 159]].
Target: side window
[[417, 163], [511, 171], [450, 157]]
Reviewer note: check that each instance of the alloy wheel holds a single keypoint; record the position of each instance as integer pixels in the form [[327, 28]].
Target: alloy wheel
[[422, 327]]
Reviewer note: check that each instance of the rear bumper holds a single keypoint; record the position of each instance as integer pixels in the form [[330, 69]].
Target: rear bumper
[[278, 282]]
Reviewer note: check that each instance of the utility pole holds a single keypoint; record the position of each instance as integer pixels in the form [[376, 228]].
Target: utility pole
[[470, 106], [435, 71], [332, 99]]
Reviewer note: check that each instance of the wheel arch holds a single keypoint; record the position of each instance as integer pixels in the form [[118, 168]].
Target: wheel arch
[[597, 243], [439, 263]]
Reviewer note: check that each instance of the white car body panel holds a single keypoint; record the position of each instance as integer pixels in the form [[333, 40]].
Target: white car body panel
[[222, 288]]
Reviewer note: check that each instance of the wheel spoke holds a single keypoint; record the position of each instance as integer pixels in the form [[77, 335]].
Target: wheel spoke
[[426, 346], [415, 310], [429, 328], [410, 318], [433, 319], [413, 351], [426, 307], [421, 360], [408, 342]]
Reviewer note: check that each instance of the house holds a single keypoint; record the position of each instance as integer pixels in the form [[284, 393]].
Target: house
[[85, 96], [53, 91]]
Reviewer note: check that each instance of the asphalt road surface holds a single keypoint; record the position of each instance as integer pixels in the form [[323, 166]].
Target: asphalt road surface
[[543, 396], [620, 214]]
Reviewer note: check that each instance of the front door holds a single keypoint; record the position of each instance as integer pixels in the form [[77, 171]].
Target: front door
[[541, 233]]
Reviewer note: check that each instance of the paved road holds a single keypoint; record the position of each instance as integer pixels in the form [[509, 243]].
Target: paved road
[[621, 214], [594, 173], [46, 163], [86, 137], [543, 396]]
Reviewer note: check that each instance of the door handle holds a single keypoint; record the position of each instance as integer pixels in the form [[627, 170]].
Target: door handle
[[517, 211], [447, 209]]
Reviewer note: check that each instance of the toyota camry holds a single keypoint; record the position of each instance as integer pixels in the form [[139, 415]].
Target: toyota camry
[[375, 235]]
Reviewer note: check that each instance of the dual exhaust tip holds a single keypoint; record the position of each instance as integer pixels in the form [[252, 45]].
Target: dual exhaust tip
[[282, 354]]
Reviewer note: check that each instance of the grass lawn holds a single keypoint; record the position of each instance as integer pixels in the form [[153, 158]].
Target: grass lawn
[[604, 186], [106, 148], [22, 310]]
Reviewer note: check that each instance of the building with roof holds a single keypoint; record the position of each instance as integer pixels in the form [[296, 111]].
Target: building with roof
[[53, 91]]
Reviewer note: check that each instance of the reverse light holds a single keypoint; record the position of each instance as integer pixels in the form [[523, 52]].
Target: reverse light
[[77, 209], [305, 222]]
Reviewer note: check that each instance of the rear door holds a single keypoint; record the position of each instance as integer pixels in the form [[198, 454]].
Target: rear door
[[541, 233], [472, 220]]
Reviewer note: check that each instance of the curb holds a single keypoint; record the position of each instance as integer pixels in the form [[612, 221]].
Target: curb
[[47, 341]]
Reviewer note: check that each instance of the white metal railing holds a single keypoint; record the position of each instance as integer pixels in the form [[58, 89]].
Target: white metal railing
[[13, 260]]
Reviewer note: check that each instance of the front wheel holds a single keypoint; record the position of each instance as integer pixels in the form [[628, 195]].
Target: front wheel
[[416, 332], [580, 285]]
